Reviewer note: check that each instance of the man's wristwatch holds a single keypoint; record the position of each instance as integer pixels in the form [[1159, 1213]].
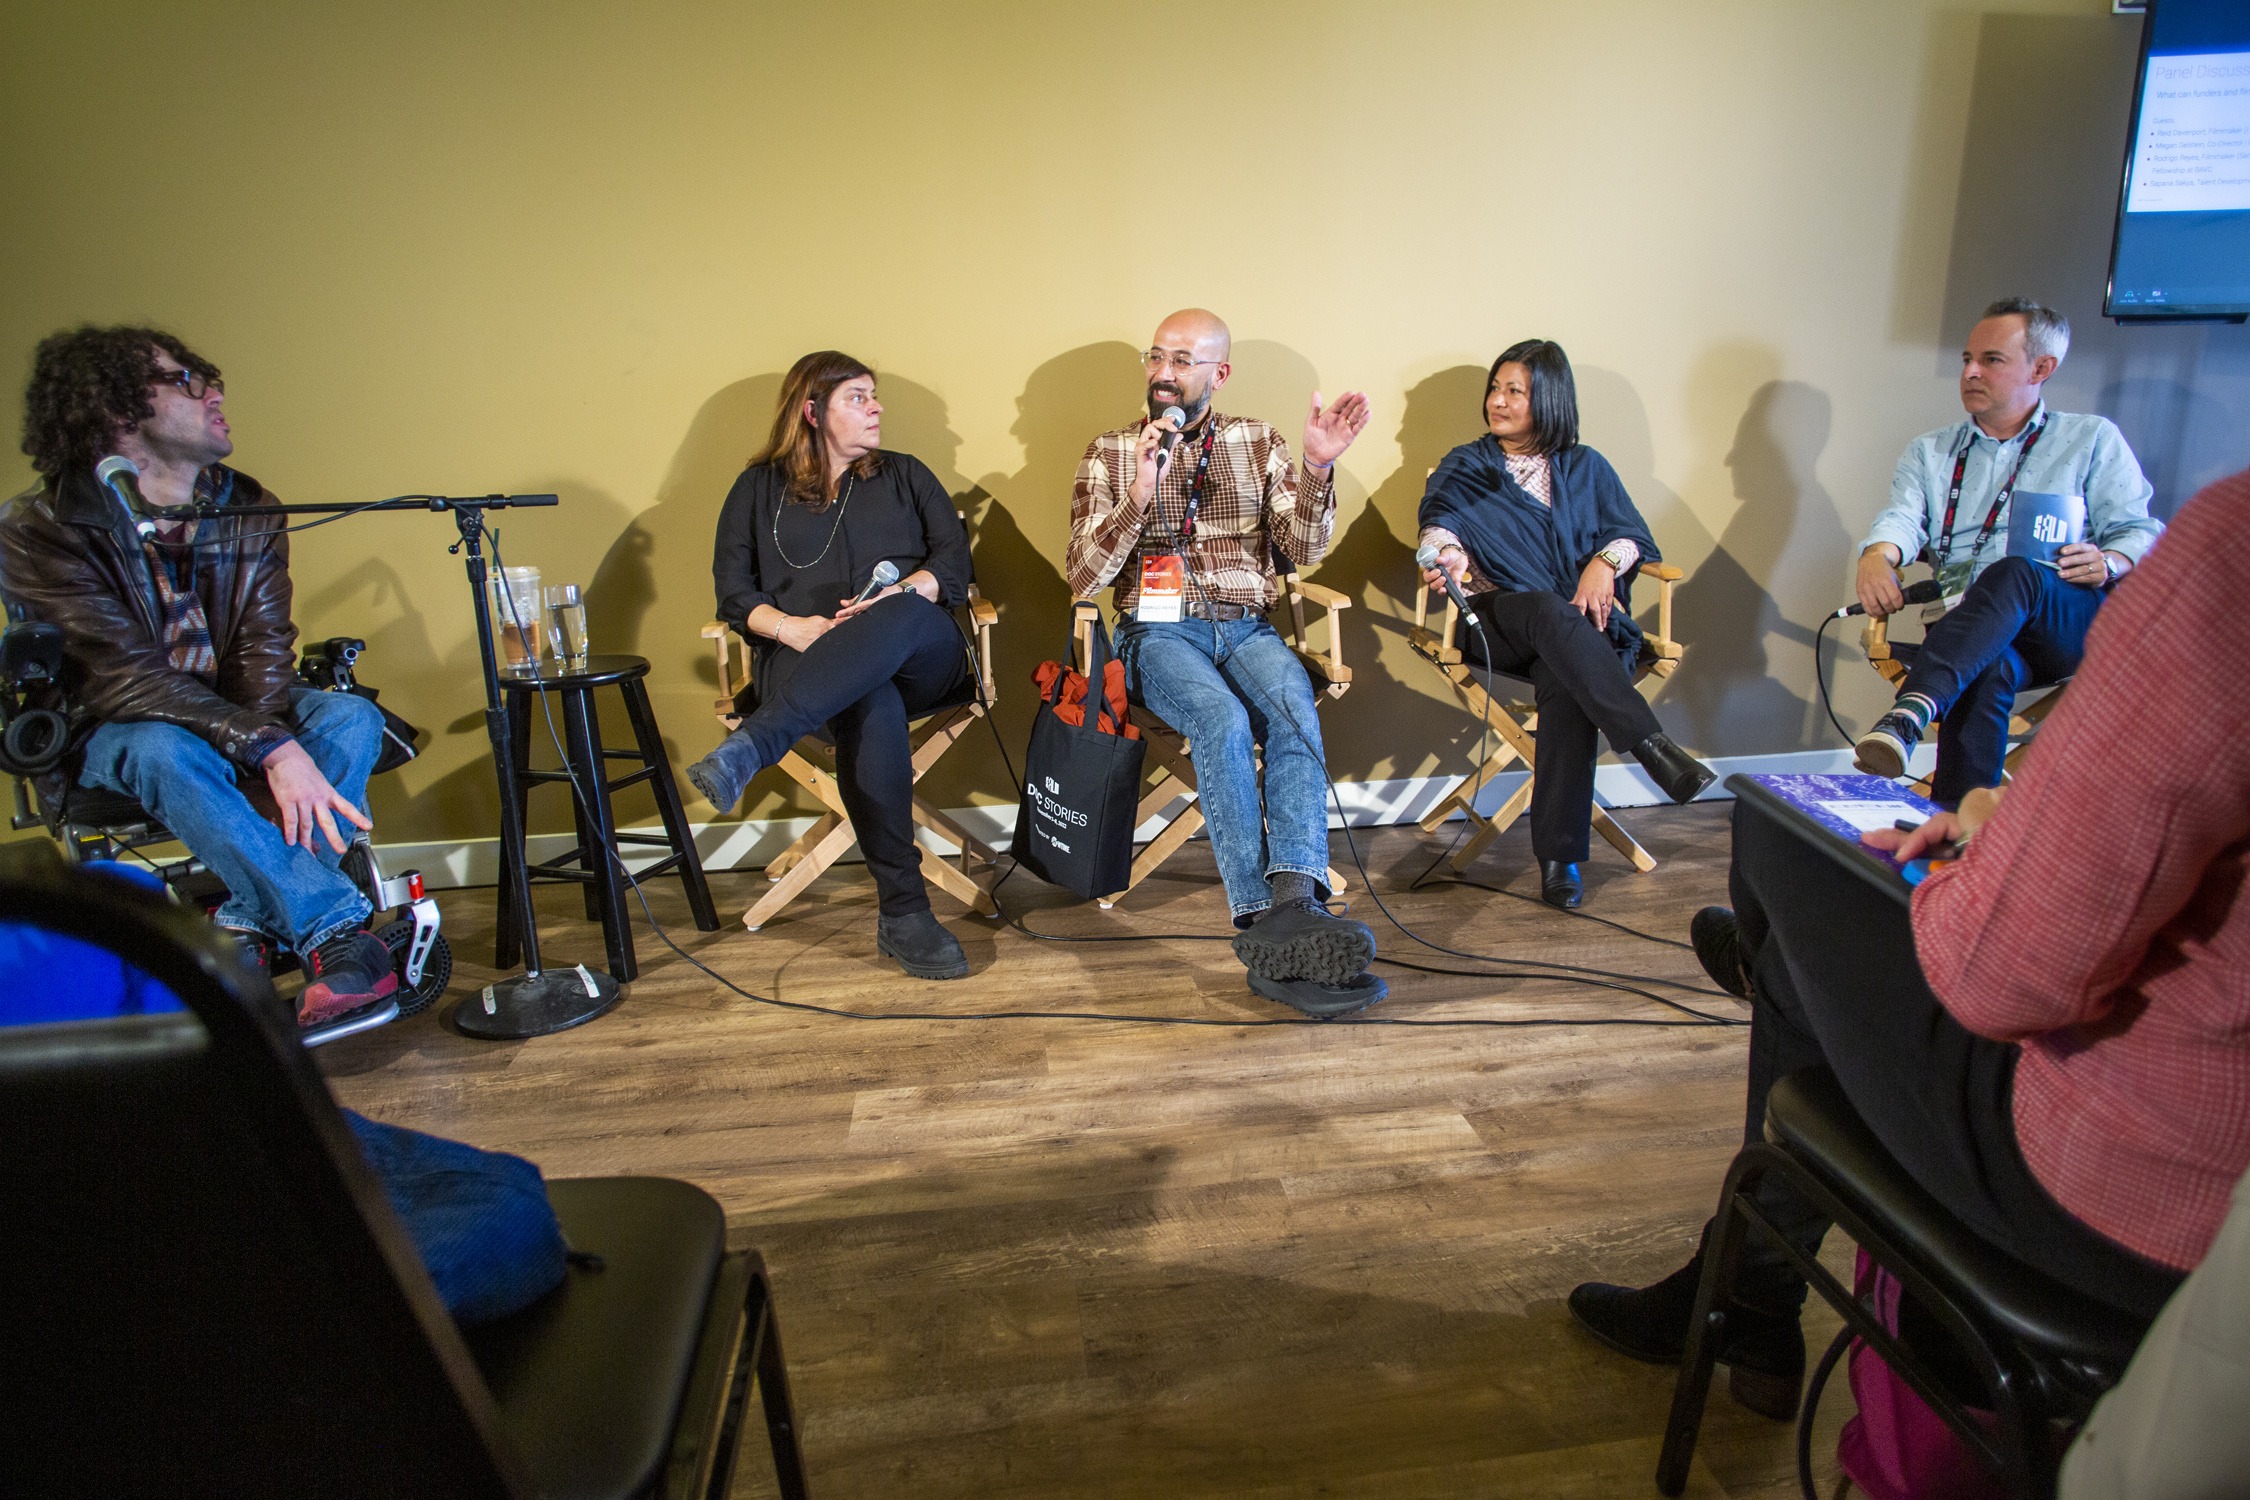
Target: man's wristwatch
[[1613, 557]]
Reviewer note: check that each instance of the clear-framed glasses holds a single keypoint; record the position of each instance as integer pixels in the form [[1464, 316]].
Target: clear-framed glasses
[[196, 386], [1171, 359]]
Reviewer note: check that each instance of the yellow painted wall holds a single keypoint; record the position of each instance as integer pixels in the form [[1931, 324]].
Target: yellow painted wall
[[468, 247]]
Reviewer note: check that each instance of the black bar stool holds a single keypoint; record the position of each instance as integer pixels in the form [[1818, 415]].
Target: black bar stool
[[586, 758]]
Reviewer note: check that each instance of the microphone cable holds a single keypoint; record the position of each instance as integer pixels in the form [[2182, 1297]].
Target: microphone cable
[[1282, 711], [1820, 675], [578, 792]]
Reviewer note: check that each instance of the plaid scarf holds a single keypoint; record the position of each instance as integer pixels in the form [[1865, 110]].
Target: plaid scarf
[[181, 623]]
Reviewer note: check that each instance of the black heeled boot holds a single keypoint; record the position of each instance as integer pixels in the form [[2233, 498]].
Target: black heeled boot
[[1559, 884], [1679, 775]]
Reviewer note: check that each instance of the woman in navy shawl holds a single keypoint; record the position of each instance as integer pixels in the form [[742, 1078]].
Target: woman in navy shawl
[[1537, 529]]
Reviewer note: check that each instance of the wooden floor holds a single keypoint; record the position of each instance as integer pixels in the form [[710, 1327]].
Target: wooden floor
[[1108, 1258]]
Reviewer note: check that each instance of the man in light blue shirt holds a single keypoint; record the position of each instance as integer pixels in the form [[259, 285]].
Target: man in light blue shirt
[[2012, 622]]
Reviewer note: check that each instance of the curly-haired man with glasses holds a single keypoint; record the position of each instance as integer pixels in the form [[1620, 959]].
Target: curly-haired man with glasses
[[180, 653]]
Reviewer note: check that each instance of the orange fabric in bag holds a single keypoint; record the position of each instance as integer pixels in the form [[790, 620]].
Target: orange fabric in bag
[[1070, 704]]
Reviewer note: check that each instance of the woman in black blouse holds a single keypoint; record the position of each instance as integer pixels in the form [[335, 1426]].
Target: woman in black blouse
[[801, 533]]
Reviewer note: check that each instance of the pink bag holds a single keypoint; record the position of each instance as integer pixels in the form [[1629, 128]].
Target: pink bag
[[1897, 1448]]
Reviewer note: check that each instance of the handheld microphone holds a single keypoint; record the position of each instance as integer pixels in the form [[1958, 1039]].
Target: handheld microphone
[[121, 477], [885, 574], [1925, 592], [1428, 558], [1175, 417]]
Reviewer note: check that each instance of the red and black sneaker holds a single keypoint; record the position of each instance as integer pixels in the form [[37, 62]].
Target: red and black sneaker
[[349, 971]]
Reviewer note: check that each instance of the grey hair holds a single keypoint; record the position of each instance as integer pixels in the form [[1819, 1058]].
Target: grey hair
[[2045, 331]]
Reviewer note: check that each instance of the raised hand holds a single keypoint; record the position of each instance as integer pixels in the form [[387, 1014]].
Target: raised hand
[[1330, 430]]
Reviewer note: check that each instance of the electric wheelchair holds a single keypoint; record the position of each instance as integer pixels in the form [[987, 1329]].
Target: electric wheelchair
[[35, 743]]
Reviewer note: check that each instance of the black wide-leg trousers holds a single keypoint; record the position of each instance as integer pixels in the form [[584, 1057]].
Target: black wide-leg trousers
[[1580, 686]]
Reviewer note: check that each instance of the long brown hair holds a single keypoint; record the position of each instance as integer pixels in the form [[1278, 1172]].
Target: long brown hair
[[796, 446]]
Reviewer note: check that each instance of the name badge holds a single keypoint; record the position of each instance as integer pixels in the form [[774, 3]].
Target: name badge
[[1163, 588]]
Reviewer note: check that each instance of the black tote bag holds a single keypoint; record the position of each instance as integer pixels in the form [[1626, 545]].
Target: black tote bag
[[1081, 784]]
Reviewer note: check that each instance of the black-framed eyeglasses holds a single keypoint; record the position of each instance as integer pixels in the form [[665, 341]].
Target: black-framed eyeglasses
[[1175, 359], [196, 386]]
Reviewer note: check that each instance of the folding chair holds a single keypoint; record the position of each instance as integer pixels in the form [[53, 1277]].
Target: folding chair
[[1515, 722], [1168, 766], [208, 1291], [1894, 659], [968, 875]]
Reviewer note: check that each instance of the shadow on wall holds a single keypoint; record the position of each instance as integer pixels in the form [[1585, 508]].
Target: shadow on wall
[[1418, 729], [2050, 105], [1725, 698], [1019, 524]]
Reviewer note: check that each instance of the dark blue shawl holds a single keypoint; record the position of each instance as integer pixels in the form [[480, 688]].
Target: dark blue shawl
[[1520, 544]]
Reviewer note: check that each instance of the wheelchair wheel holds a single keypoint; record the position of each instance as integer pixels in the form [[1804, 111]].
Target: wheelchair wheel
[[437, 970]]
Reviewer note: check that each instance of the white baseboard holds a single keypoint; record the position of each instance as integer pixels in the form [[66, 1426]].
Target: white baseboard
[[448, 864]]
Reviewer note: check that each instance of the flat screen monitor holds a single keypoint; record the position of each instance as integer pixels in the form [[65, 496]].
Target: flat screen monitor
[[2182, 247]]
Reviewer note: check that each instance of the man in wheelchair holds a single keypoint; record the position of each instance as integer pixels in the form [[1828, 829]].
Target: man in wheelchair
[[179, 669]]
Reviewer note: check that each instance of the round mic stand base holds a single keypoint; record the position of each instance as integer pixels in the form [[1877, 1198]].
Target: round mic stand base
[[537, 1004]]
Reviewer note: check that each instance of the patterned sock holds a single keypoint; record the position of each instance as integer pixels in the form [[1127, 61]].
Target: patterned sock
[[1919, 707]]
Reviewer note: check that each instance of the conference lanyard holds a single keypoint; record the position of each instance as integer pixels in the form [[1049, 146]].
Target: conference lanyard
[[1195, 487], [1999, 501]]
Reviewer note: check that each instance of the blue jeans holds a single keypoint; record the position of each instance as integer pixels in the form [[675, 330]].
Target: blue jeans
[[1233, 687], [297, 898], [2018, 626]]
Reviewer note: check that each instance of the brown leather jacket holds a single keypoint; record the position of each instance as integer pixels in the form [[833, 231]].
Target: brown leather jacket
[[69, 556]]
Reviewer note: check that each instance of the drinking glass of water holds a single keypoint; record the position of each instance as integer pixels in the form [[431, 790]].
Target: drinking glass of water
[[566, 624]]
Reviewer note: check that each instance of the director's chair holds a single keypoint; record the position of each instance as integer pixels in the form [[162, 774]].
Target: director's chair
[[967, 875], [1894, 659], [1515, 723], [1169, 767]]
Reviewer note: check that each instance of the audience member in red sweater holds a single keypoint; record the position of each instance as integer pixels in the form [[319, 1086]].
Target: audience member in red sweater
[[2074, 1082]]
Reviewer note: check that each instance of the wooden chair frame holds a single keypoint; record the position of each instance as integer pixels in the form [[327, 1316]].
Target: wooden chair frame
[[968, 875], [1514, 722], [1875, 637], [1169, 767]]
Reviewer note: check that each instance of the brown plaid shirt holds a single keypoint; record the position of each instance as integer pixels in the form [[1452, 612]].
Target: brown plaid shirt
[[1255, 501]]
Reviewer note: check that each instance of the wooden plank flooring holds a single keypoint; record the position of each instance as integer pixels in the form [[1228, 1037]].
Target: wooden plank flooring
[[1106, 1258]]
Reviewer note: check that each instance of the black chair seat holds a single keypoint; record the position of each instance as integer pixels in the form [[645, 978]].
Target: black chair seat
[[589, 1380], [1808, 1115], [105, 809]]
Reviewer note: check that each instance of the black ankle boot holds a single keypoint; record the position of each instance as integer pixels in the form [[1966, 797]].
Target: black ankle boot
[[1559, 884], [922, 948], [1677, 774], [1764, 1351]]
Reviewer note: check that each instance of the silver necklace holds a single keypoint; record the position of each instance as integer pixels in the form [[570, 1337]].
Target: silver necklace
[[850, 480]]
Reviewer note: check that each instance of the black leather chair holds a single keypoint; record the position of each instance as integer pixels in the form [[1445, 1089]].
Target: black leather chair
[[206, 1291], [2043, 1352]]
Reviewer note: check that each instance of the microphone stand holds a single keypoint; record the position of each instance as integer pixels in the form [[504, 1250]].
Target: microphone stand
[[537, 1001]]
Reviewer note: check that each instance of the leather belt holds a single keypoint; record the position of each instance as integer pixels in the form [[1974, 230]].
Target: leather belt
[[1221, 610]]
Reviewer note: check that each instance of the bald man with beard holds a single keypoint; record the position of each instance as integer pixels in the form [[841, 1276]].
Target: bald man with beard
[[1186, 531]]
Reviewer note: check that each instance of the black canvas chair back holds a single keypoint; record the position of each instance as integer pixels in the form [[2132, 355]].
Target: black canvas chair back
[[206, 1291]]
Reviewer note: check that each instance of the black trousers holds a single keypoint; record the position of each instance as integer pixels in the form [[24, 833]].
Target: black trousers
[[864, 682], [2018, 626], [1938, 1096], [1580, 687]]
